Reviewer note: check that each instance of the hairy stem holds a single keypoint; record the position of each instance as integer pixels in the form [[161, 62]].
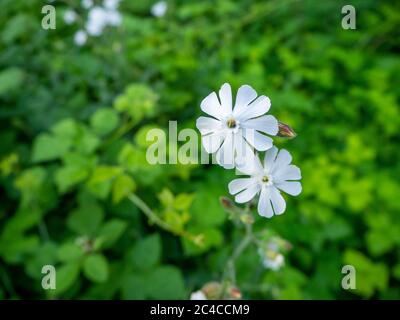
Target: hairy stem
[[154, 218], [229, 274]]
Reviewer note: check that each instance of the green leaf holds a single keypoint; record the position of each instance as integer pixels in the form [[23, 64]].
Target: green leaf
[[206, 209], [10, 79], [166, 197], [396, 271], [46, 254], [183, 201], [67, 128], [134, 287], [66, 276], [47, 147], [86, 219], [86, 142], [95, 268], [370, 276], [165, 282], [111, 231], [123, 185], [104, 173], [146, 253], [69, 252], [104, 121], [138, 101], [67, 177], [211, 238]]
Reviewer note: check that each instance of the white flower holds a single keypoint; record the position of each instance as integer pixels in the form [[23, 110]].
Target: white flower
[[111, 4], [198, 295], [232, 132], [267, 181], [271, 259], [97, 20], [69, 16], [80, 37], [159, 9], [87, 3], [114, 18]]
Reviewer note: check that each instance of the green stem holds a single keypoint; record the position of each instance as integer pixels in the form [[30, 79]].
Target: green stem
[[229, 274], [154, 218], [149, 213]]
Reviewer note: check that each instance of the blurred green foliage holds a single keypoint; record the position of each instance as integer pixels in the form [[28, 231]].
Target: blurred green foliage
[[73, 122]]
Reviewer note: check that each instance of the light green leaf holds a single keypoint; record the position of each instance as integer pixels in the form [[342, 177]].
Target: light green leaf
[[66, 276], [67, 177], [103, 121], [69, 252], [47, 147], [122, 186], [95, 268]]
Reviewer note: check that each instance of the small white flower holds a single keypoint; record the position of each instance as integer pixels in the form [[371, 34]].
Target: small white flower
[[97, 20], [159, 9], [70, 16], [114, 18], [111, 4], [232, 132], [271, 259], [267, 181], [198, 295], [80, 37], [87, 4]]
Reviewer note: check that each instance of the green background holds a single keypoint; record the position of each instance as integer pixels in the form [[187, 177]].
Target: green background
[[72, 127]]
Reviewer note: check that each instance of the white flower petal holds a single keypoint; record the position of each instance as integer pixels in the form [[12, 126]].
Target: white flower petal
[[114, 18], [245, 95], [264, 204], [267, 124], [111, 4], [225, 95], [248, 194], [282, 159], [212, 142], [251, 166], [290, 187], [255, 109], [258, 140], [80, 37], [159, 9], [238, 185], [269, 159], [211, 106], [198, 295], [225, 155], [207, 125], [243, 150], [290, 172], [278, 203]]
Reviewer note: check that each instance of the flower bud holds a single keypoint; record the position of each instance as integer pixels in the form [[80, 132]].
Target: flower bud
[[247, 218], [235, 293], [285, 131], [226, 203], [198, 239], [212, 290]]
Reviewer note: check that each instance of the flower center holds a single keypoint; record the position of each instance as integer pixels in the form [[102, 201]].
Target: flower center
[[231, 123], [267, 180]]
